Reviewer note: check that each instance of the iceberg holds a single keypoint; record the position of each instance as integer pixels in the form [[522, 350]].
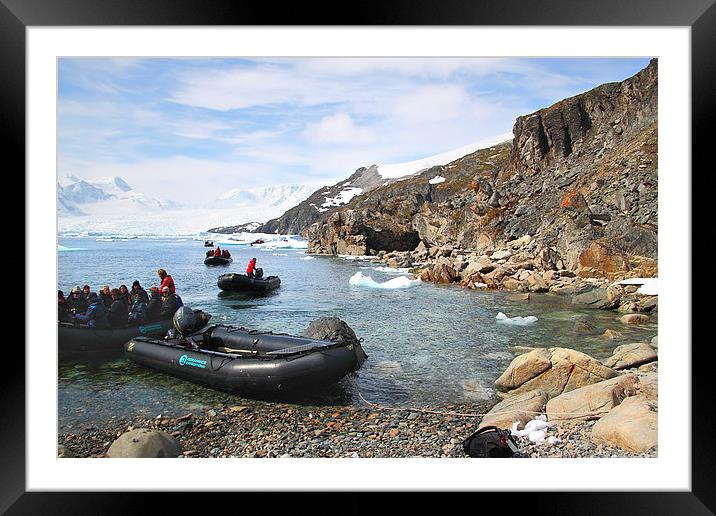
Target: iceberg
[[366, 281], [515, 321]]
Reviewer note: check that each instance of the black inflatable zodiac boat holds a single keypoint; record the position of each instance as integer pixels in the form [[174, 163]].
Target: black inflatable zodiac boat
[[75, 339], [242, 283], [248, 362]]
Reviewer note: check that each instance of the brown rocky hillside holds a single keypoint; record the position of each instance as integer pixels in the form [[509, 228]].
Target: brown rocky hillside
[[580, 178]]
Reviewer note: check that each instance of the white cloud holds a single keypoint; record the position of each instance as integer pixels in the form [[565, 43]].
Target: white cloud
[[337, 128], [433, 103]]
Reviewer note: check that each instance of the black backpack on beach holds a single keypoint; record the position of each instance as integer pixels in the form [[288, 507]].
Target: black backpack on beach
[[490, 442]]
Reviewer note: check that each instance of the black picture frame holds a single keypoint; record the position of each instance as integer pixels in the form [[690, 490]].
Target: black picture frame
[[699, 15]]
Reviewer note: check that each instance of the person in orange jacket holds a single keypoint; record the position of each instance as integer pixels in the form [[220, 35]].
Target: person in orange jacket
[[251, 267], [167, 281]]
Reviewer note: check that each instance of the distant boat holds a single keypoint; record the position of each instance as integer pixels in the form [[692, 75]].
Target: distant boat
[[257, 241], [217, 260], [208, 243]]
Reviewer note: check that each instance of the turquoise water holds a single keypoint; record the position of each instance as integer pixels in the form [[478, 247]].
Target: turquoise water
[[427, 344]]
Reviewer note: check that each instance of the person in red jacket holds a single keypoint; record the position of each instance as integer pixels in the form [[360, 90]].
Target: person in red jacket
[[218, 251], [167, 281], [251, 267]]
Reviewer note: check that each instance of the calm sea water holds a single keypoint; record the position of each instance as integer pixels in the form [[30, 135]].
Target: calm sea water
[[427, 344]]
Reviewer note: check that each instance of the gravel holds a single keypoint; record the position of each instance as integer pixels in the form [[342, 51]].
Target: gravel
[[262, 429]]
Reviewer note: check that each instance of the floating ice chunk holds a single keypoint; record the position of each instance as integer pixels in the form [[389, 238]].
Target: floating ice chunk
[[366, 281], [308, 258], [648, 285], [63, 248], [278, 254], [515, 321], [437, 180]]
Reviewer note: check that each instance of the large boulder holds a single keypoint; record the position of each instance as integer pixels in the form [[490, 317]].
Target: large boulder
[[520, 407], [595, 298], [627, 356], [554, 370], [330, 328], [649, 386], [592, 401], [536, 283], [632, 426], [144, 443]]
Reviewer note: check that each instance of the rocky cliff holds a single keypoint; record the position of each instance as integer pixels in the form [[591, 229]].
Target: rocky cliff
[[579, 177]]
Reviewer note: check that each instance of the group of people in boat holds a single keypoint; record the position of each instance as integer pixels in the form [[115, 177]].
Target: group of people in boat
[[223, 253], [119, 307]]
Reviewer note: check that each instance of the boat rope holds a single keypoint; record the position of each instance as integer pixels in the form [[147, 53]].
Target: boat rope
[[475, 414], [223, 362]]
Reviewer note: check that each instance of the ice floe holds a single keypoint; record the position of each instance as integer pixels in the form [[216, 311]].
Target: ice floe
[[308, 258], [63, 248], [358, 279], [515, 321]]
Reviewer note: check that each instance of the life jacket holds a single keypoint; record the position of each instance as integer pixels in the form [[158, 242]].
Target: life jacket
[[168, 282]]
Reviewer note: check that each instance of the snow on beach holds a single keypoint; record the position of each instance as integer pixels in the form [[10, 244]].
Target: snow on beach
[[359, 280], [648, 285], [437, 180], [356, 257], [515, 321], [390, 270], [535, 430]]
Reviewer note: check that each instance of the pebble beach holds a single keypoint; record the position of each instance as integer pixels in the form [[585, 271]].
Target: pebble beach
[[260, 429]]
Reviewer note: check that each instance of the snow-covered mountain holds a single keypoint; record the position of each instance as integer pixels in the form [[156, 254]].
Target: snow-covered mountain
[[111, 205], [77, 196], [269, 196]]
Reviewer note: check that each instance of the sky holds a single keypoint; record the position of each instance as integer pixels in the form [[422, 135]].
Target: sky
[[189, 129]]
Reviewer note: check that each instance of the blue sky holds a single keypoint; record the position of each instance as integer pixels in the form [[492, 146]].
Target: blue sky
[[189, 129]]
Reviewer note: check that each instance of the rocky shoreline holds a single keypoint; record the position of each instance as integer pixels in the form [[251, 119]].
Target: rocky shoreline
[[593, 408]]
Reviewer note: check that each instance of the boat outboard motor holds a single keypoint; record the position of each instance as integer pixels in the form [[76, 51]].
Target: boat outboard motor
[[184, 320], [258, 273]]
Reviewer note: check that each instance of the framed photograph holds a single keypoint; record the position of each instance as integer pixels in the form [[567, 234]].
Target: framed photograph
[[420, 250]]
